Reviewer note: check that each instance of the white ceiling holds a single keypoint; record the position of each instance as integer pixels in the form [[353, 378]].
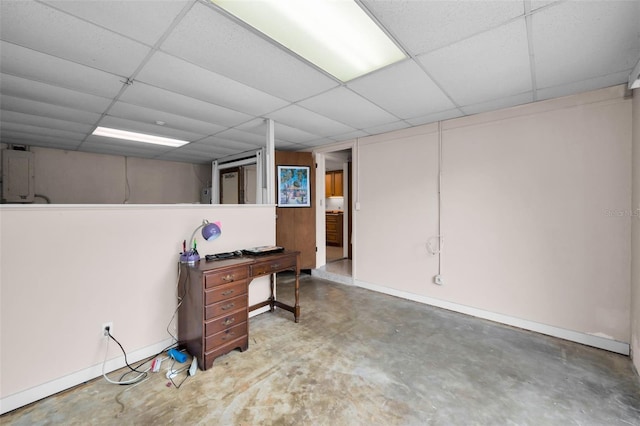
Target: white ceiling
[[68, 66]]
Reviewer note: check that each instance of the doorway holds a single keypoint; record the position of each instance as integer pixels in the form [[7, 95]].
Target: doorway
[[338, 212]]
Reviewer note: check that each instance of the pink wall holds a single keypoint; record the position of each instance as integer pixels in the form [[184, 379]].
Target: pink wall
[[67, 269], [530, 225]]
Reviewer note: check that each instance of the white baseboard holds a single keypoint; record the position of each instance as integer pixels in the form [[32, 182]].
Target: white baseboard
[[44, 390], [573, 336]]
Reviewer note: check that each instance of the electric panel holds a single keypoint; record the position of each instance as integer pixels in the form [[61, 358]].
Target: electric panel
[[17, 176]]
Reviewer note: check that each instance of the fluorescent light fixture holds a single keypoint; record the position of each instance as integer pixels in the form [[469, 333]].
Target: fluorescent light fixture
[[634, 77], [335, 35], [137, 137]]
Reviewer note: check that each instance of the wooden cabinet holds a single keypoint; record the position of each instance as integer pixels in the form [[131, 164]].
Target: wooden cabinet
[[212, 318], [334, 229], [333, 184]]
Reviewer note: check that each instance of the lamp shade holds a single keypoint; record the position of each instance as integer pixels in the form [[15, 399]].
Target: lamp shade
[[211, 231]]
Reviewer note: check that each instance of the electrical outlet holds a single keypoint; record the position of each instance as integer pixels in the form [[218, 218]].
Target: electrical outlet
[[438, 280], [104, 328]]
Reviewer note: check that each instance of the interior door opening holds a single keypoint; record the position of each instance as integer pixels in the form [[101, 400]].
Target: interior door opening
[[338, 212]]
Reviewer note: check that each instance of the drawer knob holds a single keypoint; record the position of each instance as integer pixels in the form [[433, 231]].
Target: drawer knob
[[275, 266], [228, 292], [228, 306], [228, 277], [228, 321]]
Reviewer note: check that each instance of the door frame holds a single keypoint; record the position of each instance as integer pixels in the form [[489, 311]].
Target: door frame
[[354, 200]]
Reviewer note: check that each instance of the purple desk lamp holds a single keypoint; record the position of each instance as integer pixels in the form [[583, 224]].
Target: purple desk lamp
[[210, 231]]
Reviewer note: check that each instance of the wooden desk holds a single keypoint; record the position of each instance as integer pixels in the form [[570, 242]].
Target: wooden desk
[[214, 308]]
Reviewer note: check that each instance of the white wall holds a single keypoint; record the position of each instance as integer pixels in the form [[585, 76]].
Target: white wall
[[72, 177], [635, 218], [528, 196], [66, 270]]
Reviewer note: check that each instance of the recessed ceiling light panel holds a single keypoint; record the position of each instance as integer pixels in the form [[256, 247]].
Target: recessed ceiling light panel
[[335, 35], [137, 137]]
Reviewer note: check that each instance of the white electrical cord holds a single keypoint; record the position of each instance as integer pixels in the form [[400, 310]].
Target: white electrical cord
[[141, 376]]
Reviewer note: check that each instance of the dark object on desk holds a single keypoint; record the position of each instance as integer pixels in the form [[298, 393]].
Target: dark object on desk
[[257, 251], [226, 255]]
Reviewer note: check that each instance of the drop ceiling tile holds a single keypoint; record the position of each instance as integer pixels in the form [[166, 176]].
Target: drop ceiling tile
[[233, 144], [489, 66], [402, 89], [45, 122], [376, 130], [348, 136], [147, 115], [438, 116], [148, 128], [41, 109], [42, 28], [423, 26], [32, 65], [205, 148], [575, 41], [242, 136], [582, 86], [308, 121], [537, 4], [210, 39], [345, 106], [163, 100], [54, 95], [7, 126], [500, 103], [215, 147], [144, 21], [282, 132], [176, 75]]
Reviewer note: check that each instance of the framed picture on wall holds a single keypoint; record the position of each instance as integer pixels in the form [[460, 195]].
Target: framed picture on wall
[[293, 186]]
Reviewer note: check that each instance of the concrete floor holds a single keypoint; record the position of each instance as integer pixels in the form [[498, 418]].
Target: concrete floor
[[359, 357]]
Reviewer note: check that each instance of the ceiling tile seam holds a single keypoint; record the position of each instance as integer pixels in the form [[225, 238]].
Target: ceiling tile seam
[[625, 71], [49, 128], [269, 40], [188, 117], [205, 101], [46, 116], [486, 30], [62, 59], [532, 64], [145, 60], [80, 18], [334, 120]]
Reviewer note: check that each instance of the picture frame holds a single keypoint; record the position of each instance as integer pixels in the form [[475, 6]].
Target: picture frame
[[294, 188]]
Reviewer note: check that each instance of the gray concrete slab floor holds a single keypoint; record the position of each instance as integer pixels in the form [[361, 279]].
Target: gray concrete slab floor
[[362, 358]]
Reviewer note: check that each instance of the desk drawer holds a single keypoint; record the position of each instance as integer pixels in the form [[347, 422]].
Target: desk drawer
[[220, 278], [225, 307], [224, 337], [225, 292], [270, 267], [241, 343], [225, 322]]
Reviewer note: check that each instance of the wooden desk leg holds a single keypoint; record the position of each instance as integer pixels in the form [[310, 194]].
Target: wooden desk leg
[[296, 314], [272, 298]]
